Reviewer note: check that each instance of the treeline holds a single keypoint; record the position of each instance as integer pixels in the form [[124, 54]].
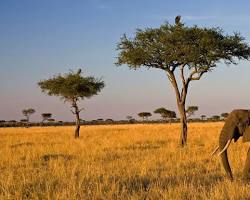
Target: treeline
[[14, 123]]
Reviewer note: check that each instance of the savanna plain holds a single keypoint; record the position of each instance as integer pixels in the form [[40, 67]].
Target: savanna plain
[[118, 162]]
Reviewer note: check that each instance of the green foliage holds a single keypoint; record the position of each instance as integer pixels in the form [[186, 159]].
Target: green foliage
[[28, 112], [46, 116], [172, 45], [51, 120], [72, 86], [165, 113], [129, 117], [203, 117], [191, 110], [215, 117], [144, 115]]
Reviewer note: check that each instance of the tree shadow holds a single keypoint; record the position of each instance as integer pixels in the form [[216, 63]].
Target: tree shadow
[[143, 184], [65, 157]]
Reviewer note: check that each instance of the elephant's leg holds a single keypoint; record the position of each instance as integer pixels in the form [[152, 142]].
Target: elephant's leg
[[246, 171]]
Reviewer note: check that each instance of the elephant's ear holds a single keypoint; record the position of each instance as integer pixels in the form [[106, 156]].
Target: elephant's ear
[[246, 135]]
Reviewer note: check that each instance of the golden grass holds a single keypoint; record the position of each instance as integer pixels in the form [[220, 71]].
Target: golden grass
[[117, 162]]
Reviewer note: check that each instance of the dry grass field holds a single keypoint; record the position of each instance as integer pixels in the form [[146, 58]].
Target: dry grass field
[[117, 162]]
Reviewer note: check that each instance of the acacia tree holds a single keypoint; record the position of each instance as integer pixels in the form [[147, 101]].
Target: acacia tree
[[27, 113], [165, 114], [144, 115], [191, 110], [72, 87], [190, 51], [215, 117], [203, 117], [46, 116]]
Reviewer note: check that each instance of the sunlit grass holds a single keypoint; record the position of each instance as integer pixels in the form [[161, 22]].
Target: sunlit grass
[[117, 162]]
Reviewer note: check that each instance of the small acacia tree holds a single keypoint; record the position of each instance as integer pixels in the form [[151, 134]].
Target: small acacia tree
[[193, 51], [215, 117], [165, 114], [191, 110], [27, 113], [72, 87], [144, 115], [203, 117], [46, 116]]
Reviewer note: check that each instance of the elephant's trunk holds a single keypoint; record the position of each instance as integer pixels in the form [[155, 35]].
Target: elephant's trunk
[[224, 138]]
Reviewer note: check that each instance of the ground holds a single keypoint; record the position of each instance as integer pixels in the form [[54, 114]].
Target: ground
[[118, 162]]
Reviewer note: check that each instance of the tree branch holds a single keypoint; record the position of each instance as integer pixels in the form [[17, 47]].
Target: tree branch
[[198, 72], [172, 79], [174, 67], [81, 110]]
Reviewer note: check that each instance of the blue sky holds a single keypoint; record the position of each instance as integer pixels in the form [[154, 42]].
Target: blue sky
[[40, 38]]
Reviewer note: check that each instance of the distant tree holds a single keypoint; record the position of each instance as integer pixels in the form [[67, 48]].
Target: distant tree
[[224, 115], [46, 116], [27, 113], [109, 120], [144, 115], [215, 117], [82, 120], [193, 51], [23, 120], [72, 87], [129, 117], [51, 120], [165, 114], [191, 110], [2, 121], [203, 117]]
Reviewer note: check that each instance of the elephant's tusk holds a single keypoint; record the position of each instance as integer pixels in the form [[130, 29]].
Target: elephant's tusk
[[226, 146], [217, 148]]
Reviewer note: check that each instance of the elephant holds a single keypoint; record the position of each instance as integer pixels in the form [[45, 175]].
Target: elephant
[[237, 124]]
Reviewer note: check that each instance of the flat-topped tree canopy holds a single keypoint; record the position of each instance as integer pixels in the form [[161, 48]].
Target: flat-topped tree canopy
[[72, 86], [169, 46], [191, 50]]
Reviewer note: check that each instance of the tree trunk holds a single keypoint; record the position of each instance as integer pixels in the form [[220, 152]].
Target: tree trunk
[[181, 102], [76, 112], [183, 124], [28, 121], [77, 130]]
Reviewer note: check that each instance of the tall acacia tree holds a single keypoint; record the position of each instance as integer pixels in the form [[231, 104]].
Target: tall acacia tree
[[72, 87], [27, 113], [184, 53]]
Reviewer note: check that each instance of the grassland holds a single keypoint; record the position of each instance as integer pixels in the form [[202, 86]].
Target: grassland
[[117, 162]]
